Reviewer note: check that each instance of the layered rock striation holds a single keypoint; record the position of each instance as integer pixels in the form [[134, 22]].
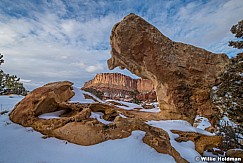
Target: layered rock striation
[[182, 74], [144, 85], [113, 80], [120, 87]]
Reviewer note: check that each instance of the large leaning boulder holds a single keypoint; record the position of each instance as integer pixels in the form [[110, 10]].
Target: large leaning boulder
[[182, 74]]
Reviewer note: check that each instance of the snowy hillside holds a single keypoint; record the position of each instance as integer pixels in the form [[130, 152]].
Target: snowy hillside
[[26, 145]]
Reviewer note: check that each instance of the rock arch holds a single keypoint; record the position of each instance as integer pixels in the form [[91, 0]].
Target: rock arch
[[182, 74]]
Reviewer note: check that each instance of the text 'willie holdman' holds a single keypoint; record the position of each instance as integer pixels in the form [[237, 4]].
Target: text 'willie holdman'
[[219, 159]]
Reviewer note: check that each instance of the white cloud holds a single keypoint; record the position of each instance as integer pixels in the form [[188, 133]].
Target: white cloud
[[25, 80], [95, 68], [79, 64], [43, 50], [53, 41], [205, 24]]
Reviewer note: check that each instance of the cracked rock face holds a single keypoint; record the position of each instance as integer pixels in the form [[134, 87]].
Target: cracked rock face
[[182, 74]]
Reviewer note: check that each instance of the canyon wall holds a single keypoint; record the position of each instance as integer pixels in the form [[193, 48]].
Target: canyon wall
[[121, 87], [113, 80], [144, 85]]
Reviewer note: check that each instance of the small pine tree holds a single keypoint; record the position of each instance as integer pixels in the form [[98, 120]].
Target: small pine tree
[[10, 84], [1, 59], [237, 30]]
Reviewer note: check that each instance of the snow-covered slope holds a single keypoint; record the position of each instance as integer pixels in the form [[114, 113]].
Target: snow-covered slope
[[51, 115], [186, 149], [131, 106], [20, 145], [26, 145], [79, 97]]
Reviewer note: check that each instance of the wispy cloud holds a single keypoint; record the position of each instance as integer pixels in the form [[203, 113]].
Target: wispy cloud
[[94, 68], [205, 24], [54, 40]]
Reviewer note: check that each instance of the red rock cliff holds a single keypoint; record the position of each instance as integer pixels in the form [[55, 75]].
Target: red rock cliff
[[121, 87], [144, 85], [120, 81]]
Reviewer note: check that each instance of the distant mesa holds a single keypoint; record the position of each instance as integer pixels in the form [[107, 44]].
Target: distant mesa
[[121, 87]]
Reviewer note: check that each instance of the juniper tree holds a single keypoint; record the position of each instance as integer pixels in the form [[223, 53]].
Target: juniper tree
[[1, 59], [1, 73], [10, 84], [237, 30]]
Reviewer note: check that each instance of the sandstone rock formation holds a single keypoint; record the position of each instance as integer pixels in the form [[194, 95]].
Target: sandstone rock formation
[[181, 74], [235, 153], [113, 80], [76, 125], [120, 87], [200, 141], [144, 85], [42, 100]]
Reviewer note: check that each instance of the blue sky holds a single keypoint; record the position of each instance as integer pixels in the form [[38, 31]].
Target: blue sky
[[53, 40]]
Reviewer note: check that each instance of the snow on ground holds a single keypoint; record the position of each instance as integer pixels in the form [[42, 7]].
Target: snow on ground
[[215, 88], [127, 105], [156, 108], [8, 102], [225, 121], [186, 149], [20, 145], [210, 154], [99, 117], [56, 114], [202, 122], [26, 145], [51, 115], [121, 115], [79, 97], [153, 110], [132, 106]]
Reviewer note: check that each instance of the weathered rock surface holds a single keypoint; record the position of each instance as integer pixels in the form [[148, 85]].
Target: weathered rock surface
[[144, 85], [181, 74], [120, 87], [76, 125], [202, 143], [235, 153], [42, 100]]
